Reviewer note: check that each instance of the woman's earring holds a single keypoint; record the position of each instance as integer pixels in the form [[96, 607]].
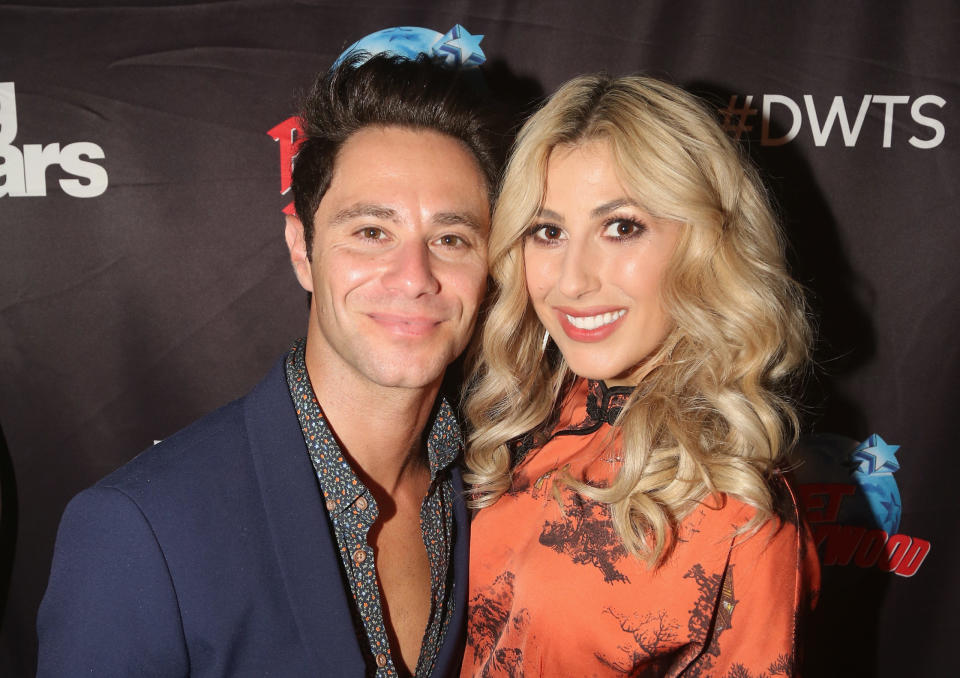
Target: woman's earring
[[546, 340]]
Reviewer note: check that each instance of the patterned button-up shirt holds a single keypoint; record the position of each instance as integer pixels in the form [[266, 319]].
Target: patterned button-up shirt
[[353, 511]]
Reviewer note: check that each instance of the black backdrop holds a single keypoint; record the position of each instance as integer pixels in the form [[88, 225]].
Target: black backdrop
[[144, 281]]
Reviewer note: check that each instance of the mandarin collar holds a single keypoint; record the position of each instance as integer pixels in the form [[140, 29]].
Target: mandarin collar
[[605, 403]]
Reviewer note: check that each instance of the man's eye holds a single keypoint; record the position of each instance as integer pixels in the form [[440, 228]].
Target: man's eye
[[372, 233], [451, 240]]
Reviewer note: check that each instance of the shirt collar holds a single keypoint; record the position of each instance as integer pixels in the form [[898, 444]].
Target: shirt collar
[[340, 484], [604, 403], [445, 440]]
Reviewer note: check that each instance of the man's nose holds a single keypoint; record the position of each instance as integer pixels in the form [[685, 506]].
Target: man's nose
[[579, 270], [410, 270]]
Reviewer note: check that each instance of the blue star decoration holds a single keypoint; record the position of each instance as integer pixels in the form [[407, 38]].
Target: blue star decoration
[[459, 48], [875, 456]]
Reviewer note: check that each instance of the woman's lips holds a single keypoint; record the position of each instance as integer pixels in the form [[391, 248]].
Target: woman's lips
[[592, 325]]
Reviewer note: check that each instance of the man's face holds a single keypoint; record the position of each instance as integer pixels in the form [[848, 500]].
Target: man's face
[[399, 261]]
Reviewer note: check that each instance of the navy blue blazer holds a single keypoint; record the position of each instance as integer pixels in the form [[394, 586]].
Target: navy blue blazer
[[211, 554]]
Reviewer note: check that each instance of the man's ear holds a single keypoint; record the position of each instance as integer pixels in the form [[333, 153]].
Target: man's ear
[[298, 252]]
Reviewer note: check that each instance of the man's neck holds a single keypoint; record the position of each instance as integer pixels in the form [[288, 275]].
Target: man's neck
[[379, 428], [380, 433]]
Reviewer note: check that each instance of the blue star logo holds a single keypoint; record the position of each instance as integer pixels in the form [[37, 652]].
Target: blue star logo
[[875, 456], [459, 48]]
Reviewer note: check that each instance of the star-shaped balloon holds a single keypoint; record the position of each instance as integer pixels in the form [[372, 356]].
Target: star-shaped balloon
[[875, 456], [459, 48]]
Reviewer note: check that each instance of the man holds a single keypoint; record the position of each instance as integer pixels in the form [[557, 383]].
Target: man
[[316, 526]]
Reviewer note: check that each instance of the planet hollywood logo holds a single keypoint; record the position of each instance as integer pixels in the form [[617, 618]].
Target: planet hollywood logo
[[852, 503], [455, 48], [287, 135], [23, 171], [782, 119]]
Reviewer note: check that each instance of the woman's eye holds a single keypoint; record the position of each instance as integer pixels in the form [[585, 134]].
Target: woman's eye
[[546, 232], [623, 228]]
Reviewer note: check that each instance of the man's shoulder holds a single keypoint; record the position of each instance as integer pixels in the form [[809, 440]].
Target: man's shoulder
[[212, 448]]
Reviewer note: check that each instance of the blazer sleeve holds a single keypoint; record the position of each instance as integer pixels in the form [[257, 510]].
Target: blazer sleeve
[[110, 608]]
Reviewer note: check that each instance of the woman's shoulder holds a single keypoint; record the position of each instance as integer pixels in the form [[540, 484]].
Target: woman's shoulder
[[728, 514], [779, 545]]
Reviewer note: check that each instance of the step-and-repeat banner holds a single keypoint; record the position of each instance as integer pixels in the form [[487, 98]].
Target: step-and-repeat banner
[[145, 151]]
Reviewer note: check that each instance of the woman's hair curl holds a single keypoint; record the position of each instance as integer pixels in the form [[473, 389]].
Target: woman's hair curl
[[712, 413]]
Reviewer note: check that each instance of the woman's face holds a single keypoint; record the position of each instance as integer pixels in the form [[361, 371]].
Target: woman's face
[[595, 264]]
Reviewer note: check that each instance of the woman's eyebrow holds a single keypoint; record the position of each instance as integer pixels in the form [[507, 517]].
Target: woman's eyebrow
[[549, 214], [611, 206], [598, 211]]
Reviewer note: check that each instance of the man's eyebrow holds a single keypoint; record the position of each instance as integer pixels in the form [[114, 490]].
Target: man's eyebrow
[[364, 210], [468, 219]]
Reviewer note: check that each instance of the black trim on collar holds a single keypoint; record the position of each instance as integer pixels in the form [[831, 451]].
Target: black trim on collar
[[604, 405]]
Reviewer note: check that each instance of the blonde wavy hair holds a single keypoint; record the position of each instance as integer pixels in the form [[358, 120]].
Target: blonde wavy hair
[[712, 412]]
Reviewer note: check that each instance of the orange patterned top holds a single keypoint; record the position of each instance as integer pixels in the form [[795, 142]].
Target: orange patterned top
[[554, 593]]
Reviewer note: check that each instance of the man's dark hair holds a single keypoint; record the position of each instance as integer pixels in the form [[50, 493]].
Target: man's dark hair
[[385, 91]]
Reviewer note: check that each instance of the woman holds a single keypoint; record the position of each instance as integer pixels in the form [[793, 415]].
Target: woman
[[629, 407]]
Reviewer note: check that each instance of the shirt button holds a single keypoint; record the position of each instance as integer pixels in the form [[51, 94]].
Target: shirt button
[[362, 504], [331, 504], [381, 660], [359, 556]]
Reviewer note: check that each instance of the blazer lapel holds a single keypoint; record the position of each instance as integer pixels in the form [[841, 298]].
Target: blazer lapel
[[302, 538], [451, 651]]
